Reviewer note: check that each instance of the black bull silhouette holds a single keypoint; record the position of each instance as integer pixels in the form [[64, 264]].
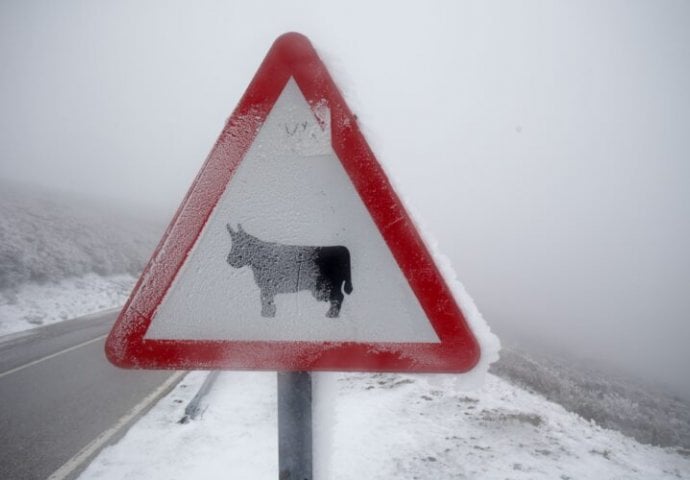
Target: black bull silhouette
[[281, 268]]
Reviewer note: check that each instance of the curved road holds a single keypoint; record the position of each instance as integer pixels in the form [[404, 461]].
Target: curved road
[[59, 397]]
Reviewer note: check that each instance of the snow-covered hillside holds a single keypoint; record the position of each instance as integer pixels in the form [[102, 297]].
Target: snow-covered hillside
[[63, 256], [381, 426], [646, 412]]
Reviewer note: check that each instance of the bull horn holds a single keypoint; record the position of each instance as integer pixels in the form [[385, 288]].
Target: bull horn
[[239, 228], [229, 229]]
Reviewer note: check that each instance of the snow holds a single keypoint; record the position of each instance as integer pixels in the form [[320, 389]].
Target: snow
[[380, 426], [33, 304]]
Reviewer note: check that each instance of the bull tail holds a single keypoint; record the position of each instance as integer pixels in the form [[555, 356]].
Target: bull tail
[[348, 280], [348, 286]]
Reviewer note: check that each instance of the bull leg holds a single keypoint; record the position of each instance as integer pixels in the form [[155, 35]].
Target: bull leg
[[336, 300], [268, 306]]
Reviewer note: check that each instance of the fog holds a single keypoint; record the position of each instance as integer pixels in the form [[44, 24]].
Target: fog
[[545, 145]]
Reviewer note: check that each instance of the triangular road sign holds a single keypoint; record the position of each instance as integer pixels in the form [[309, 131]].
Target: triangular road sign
[[291, 250]]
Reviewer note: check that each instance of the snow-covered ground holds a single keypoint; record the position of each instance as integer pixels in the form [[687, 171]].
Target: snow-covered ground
[[33, 304], [380, 426]]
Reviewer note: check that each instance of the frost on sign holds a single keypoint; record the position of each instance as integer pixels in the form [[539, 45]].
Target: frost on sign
[[291, 250], [291, 195], [323, 271]]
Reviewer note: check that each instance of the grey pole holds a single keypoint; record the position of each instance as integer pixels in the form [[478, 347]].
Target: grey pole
[[194, 407], [294, 426]]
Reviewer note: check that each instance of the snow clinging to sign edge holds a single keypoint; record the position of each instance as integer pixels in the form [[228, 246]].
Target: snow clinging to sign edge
[[489, 343]]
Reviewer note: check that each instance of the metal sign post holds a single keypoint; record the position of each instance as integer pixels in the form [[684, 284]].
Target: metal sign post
[[294, 426]]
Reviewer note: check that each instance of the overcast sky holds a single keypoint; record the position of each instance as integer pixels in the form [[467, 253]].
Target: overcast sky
[[545, 145]]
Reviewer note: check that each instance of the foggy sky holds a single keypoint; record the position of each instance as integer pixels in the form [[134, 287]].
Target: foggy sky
[[545, 145]]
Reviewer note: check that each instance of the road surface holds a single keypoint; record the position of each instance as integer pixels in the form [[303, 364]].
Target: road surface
[[60, 399]]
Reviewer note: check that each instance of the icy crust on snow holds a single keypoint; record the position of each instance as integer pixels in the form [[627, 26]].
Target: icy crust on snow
[[489, 343], [33, 304], [380, 426]]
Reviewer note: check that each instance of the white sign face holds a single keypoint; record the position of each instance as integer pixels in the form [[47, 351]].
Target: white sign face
[[290, 252]]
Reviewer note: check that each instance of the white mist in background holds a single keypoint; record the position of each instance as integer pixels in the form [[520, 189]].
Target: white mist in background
[[545, 145]]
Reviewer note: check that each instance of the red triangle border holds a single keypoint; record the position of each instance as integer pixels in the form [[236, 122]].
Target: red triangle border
[[292, 55]]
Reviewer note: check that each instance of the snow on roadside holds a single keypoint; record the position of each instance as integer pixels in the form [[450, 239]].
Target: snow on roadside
[[33, 305], [380, 426]]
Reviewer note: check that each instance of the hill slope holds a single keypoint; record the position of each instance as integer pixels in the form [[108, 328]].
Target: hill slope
[[47, 236], [647, 413], [63, 256]]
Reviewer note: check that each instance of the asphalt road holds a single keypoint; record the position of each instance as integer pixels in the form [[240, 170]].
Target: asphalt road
[[59, 394]]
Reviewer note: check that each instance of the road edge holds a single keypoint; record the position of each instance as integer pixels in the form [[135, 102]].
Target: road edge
[[78, 463]]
